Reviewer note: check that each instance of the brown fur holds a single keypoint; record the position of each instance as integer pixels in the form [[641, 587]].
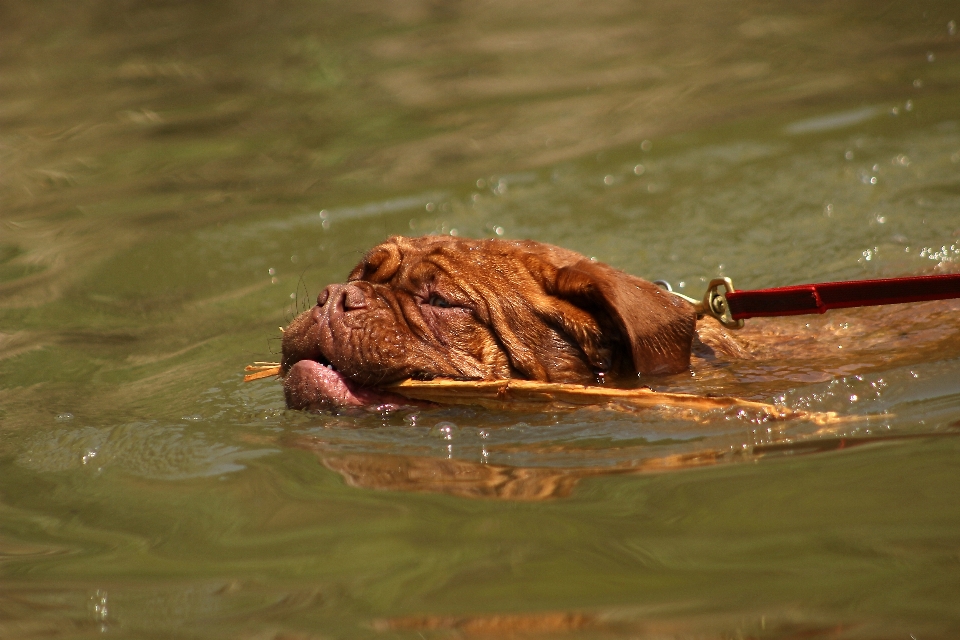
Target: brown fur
[[488, 309]]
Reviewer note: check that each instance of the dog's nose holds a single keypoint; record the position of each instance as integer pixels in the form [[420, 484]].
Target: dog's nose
[[353, 298], [347, 296], [324, 296]]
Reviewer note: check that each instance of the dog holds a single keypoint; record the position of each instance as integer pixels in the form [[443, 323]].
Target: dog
[[467, 309]]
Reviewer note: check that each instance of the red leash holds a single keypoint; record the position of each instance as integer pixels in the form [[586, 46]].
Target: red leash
[[732, 307]]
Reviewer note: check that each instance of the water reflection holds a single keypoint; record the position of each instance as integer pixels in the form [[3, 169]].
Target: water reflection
[[251, 609], [163, 171], [142, 449], [469, 479], [637, 623]]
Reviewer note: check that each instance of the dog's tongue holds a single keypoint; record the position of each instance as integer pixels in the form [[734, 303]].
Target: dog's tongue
[[311, 385]]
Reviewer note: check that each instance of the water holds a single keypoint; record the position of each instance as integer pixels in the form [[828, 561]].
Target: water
[[178, 179]]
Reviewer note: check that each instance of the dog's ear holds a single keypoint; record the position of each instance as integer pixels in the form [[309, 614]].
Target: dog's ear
[[380, 264], [658, 326]]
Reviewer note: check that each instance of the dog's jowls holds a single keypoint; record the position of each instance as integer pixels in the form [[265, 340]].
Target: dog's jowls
[[443, 307]]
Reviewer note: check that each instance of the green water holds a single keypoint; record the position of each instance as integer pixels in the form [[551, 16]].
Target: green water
[[178, 179]]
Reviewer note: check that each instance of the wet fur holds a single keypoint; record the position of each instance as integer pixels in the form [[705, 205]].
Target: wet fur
[[523, 309], [443, 307]]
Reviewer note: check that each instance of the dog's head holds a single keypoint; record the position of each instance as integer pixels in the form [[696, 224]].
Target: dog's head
[[444, 307]]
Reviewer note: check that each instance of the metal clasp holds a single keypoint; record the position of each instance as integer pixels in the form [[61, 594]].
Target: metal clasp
[[715, 303]]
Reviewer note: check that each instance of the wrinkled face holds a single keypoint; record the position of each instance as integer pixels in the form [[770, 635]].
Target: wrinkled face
[[442, 307]]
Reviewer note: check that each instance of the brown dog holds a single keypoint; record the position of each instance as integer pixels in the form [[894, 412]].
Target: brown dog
[[443, 307]]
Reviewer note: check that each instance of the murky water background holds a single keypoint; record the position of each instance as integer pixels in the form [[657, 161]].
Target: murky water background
[[177, 179]]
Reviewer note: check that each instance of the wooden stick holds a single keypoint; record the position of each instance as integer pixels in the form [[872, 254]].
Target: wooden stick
[[262, 370], [500, 394], [537, 396]]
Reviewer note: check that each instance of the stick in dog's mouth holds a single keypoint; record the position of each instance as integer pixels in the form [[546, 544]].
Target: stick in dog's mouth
[[261, 370], [531, 395]]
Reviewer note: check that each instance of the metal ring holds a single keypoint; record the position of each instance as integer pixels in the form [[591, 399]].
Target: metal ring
[[663, 284]]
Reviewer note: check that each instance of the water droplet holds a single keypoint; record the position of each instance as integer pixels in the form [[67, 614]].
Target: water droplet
[[498, 231], [431, 206], [323, 214], [293, 258], [908, 105], [444, 430], [325, 224], [848, 155], [930, 56], [608, 180], [853, 397], [639, 169], [481, 183], [646, 145], [952, 27], [99, 606], [918, 83], [272, 271], [293, 296]]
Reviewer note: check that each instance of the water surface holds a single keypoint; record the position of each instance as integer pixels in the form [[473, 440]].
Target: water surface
[[178, 179]]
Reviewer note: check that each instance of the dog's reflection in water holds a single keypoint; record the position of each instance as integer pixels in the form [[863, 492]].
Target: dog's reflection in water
[[471, 479], [474, 479]]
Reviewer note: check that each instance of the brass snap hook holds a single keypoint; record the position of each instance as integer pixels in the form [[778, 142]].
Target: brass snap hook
[[715, 303]]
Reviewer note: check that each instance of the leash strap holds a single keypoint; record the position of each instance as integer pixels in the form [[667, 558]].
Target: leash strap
[[732, 307]]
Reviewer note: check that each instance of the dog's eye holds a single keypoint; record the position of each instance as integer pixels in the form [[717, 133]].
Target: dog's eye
[[437, 301]]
